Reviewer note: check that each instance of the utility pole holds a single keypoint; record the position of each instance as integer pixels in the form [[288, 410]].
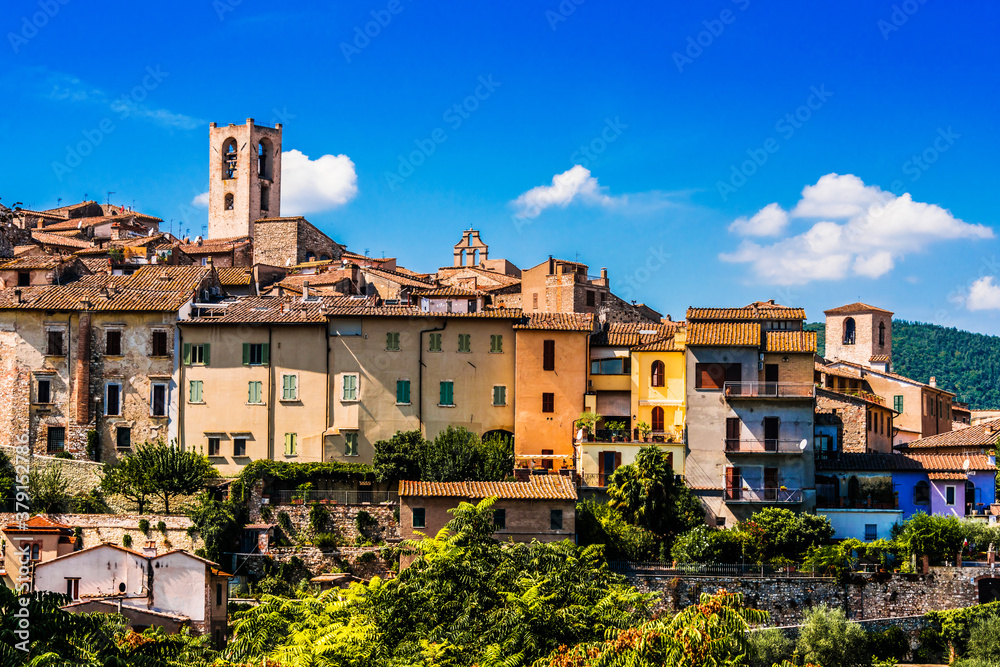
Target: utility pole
[[110, 192]]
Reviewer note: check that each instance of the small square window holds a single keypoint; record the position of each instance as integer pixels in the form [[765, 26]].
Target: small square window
[[464, 342], [871, 532], [196, 355], [24, 278], [419, 517], [392, 341], [56, 439], [500, 519], [113, 342], [123, 437], [548, 402], [434, 343], [54, 343], [239, 446], [44, 392], [214, 445], [256, 354], [351, 444], [160, 343], [555, 519]]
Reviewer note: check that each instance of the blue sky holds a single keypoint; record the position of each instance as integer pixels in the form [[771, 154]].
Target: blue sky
[[698, 116]]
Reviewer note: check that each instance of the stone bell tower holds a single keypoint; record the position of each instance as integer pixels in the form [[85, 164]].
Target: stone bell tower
[[244, 177], [471, 251]]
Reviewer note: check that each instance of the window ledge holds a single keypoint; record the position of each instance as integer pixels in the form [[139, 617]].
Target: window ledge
[[289, 400], [196, 402], [57, 356], [248, 403], [442, 405], [350, 400], [113, 356], [159, 356], [390, 349], [499, 405], [397, 403], [159, 416]]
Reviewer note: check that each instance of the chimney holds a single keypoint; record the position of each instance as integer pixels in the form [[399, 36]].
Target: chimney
[[604, 274], [933, 381], [150, 548], [666, 318], [81, 378], [17, 296], [305, 290]]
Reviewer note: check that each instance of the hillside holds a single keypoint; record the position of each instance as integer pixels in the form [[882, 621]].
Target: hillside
[[963, 362]]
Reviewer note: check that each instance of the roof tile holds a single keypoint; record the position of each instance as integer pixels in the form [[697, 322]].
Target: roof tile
[[541, 487], [737, 334]]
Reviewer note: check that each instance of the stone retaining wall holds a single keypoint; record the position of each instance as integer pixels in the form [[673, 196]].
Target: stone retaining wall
[[99, 528], [342, 520]]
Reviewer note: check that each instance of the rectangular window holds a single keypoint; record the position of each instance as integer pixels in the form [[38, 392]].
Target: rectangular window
[[256, 354], [715, 376], [73, 588], [289, 387], [447, 393], [392, 341], [218, 595], [897, 403], [949, 495], [534, 300], [351, 443], [547, 461], [611, 366], [291, 444], [214, 445], [548, 355], [159, 343], [113, 342], [464, 342], [195, 395], [472, 306], [255, 394], [591, 298], [734, 483], [123, 437], [196, 355], [158, 400], [24, 278], [239, 446], [350, 392], [419, 517], [56, 439], [435, 343], [403, 392], [500, 519], [548, 402], [499, 395], [113, 399], [555, 519], [54, 340], [44, 393], [496, 344], [871, 532]]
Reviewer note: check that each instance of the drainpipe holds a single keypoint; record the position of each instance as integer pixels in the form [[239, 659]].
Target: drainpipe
[[270, 397], [420, 373], [326, 422], [179, 355]]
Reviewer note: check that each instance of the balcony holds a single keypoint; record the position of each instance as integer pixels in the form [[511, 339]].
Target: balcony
[[766, 446], [769, 390], [779, 495]]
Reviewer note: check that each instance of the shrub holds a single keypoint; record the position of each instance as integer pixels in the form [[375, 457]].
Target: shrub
[[144, 526], [285, 522], [63, 455], [597, 523], [93, 445], [366, 557], [326, 540], [768, 647], [984, 640], [891, 644], [127, 541], [162, 526], [91, 503], [955, 625], [317, 517], [363, 520], [828, 638], [266, 513]]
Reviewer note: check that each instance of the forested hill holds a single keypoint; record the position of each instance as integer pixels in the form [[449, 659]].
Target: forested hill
[[963, 362]]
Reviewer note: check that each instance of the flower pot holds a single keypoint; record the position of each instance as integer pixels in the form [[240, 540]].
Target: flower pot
[[297, 501]]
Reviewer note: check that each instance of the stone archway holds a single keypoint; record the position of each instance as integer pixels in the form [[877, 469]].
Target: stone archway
[[989, 588]]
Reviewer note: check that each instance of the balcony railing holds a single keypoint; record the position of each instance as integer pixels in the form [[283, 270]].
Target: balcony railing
[[595, 479], [766, 495], [765, 446], [769, 390]]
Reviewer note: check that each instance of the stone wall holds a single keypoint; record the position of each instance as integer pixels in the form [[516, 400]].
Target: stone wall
[[863, 596], [323, 561], [100, 528], [849, 416], [82, 476], [342, 520], [289, 241]]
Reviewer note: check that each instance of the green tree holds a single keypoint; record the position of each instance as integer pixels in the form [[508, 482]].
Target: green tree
[[453, 456], [49, 490], [496, 458], [828, 638], [128, 477], [399, 457], [219, 523], [646, 495], [789, 534], [158, 469], [8, 483], [598, 523]]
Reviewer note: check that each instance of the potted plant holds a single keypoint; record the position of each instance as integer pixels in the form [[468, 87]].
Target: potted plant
[[587, 422], [644, 430], [301, 491]]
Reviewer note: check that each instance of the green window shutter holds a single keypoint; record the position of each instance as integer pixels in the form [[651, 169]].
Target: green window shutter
[[444, 393], [206, 352], [402, 391], [265, 354], [246, 354], [447, 393], [897, 403], [187, 354], [290, 444], [255, 392], [250, 392]]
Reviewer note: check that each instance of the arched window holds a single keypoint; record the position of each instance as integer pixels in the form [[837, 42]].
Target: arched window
[[881, 334], [324, 258], [970, 497], [658, 419], [921, 493], [229, 159], [657, 372], [229, 201], [849, 331], [263, 165], [265, 198], [853, 489], [310, 256]]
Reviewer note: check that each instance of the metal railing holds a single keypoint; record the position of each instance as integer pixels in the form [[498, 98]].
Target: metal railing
[[765, 495], [292, 497], [765, 446], [747, 570], [595, 479], [769, 390]]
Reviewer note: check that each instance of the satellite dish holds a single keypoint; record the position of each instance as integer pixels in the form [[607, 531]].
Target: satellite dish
[[803, 444], [965, 466]]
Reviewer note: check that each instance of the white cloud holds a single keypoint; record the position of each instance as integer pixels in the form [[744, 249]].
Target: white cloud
[[575, 184], [311, 186], [769, 221], [201, 201], [863, 231], [984, 294]]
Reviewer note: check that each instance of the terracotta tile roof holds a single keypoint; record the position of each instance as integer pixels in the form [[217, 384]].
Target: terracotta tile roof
[[758, 310], [448, 291], [541, 487], [736, 334], [880, 358], [855, 396], [396, 277], [450, 273], [59, 240], [856, 307], [977, 436], [83, 223], [838, 372], [37, 524], [265, 310], [161, 277], [646, 337], [790, 341], [888, 374], [213, 246], [34, 262], [112, 209], [235, 275], [908, 461], [558, 322], [947, 475], [72, 297], [136, 242]]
